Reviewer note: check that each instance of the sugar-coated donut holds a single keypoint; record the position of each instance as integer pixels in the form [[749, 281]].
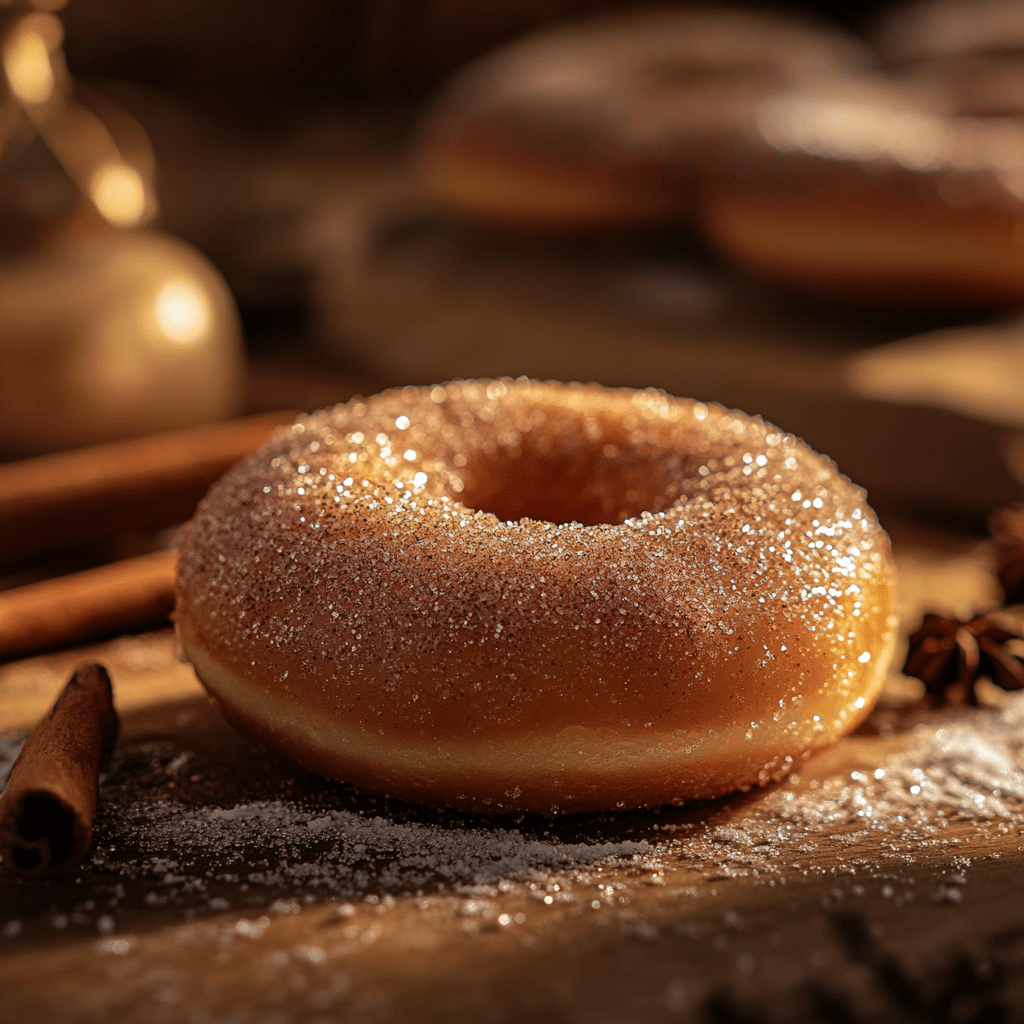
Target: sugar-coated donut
[[864, 192], [612, 120], [517, 596]]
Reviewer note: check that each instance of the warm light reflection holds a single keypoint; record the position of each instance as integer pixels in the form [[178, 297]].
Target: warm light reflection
[[845, 130], [975, 371], [28, 68], [183, 312], [119, 194]]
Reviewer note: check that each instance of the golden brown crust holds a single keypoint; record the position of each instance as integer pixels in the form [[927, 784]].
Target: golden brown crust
[[728, 609]]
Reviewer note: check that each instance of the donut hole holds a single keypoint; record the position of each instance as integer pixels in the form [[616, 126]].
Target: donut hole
[[588, 484]]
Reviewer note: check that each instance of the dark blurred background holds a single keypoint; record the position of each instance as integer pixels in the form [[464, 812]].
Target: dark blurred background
[[251, 59], [280, 141]]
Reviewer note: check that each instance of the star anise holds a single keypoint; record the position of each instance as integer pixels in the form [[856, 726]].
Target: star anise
[[1007, 528], [950, 655]]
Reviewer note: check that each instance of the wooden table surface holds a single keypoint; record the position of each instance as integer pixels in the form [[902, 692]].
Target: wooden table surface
[[225, 885]]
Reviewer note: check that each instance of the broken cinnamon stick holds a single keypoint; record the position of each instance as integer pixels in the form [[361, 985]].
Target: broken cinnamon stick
[[47, 809], [109, 599], [58, 502]]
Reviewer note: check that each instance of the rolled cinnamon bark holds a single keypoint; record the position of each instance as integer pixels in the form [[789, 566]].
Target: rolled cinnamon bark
[[47, 809], [57, 502], [109, 599]]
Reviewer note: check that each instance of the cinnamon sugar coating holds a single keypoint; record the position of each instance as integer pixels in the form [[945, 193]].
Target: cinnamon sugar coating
[[513, 595]]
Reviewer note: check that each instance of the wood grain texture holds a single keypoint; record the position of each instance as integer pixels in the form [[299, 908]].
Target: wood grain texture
[[848, 923]]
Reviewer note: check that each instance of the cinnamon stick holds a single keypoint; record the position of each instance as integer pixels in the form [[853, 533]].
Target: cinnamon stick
[[58, 502], [70, 609], [47, 809]]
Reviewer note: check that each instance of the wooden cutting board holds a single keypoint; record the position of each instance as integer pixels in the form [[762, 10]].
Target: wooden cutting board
[[227, 885]]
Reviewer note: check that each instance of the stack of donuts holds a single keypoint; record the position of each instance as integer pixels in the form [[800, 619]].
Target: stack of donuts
[[806, 156]]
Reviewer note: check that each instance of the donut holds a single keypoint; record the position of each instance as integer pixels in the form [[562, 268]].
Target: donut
[[610, 121], [976, 87], [931, 30], [512, 596], [972, 53], [866, 193]]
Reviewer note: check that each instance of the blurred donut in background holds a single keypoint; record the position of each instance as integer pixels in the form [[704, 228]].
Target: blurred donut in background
[[865, 193], [614, 120], [930, 30], [969, 51], [802, 163]]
